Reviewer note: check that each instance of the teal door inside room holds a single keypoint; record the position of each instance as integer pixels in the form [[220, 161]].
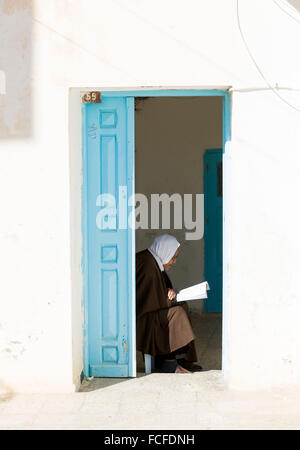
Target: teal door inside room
[[108, 135], [213, 212]]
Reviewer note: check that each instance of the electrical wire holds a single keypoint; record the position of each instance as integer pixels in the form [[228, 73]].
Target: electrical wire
[[174, 38], [102, 59], [255, 63]]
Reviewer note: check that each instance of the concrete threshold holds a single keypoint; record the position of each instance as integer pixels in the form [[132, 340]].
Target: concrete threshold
[[198, 401]]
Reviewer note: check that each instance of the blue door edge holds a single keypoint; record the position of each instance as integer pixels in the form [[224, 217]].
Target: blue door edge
[[131, 236], [209, 151], [130, 98], [84, 254]]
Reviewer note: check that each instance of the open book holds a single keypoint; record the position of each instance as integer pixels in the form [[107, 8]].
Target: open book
[[195, 292]]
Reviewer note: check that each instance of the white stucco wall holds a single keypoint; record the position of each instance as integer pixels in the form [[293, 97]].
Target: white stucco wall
[[48, 47]]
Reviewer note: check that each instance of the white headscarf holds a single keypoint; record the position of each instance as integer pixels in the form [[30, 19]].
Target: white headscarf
[[163, 249]]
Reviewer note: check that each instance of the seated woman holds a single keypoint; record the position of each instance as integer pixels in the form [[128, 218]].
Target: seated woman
[[163, 327]]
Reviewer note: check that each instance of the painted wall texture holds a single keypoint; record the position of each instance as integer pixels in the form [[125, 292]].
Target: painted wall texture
[[49, 51]]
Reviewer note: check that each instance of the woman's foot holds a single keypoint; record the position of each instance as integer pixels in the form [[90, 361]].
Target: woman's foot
[[172, 366], [188, 365], [180, 369]]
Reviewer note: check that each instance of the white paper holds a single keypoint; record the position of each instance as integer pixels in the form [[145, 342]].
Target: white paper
[[195, 292]]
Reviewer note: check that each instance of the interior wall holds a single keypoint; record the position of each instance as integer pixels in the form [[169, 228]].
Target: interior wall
[[171, 137]]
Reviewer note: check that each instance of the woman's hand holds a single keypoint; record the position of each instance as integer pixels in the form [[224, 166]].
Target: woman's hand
[[171, 294]]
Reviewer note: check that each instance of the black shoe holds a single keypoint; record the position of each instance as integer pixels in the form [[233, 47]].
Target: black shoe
[[168, 366]]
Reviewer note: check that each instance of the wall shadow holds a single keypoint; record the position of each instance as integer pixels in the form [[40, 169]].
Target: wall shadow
[[15, 68], [95, 384], [6, 393], [295, 4]]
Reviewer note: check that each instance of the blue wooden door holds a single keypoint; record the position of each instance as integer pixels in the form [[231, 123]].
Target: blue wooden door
[[109, 161], [213, 207]]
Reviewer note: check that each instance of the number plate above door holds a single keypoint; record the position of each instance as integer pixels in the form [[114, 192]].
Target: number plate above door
[[91, 97]]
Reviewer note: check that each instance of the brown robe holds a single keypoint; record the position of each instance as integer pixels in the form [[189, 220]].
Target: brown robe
[[160, 328]]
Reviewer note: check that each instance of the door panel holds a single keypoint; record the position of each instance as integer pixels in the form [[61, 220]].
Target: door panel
[[110, 248], [213, 212]]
